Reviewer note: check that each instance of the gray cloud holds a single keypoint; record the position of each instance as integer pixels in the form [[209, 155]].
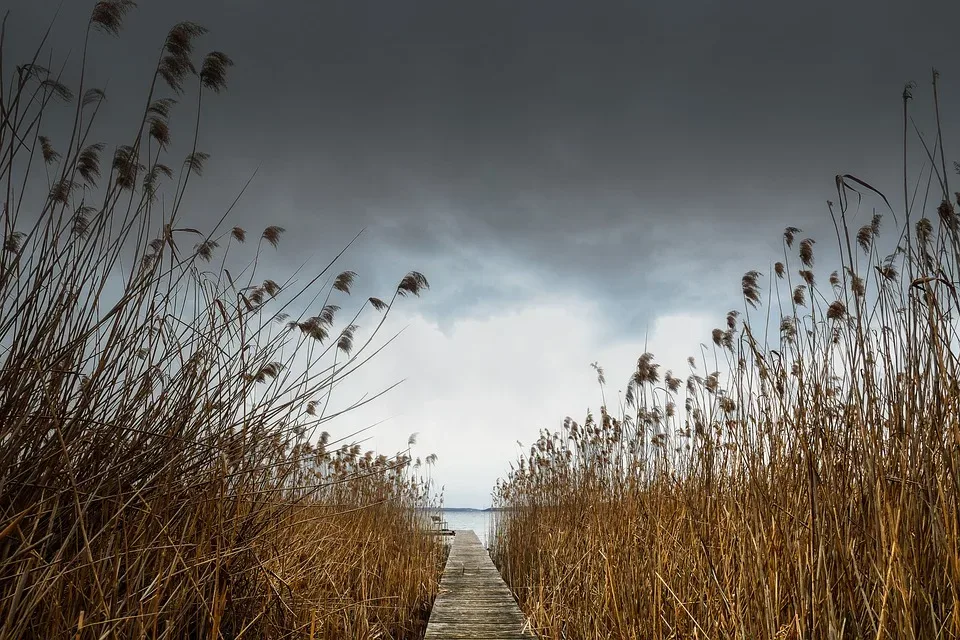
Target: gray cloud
[[532, 123], [640, 155]]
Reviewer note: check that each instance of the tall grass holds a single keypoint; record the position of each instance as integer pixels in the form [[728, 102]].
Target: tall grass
[[806, 485], [161, 474]]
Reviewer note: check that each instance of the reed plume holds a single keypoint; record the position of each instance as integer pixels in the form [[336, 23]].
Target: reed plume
[[161, 475], [806, 489]]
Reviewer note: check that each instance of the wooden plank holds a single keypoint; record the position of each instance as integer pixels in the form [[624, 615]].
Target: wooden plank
[[474, 602]]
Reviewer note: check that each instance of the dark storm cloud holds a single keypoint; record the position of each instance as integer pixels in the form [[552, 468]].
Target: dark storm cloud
[[604, 147]]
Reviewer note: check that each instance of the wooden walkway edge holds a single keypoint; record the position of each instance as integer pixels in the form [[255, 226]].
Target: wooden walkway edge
[[474, 601]]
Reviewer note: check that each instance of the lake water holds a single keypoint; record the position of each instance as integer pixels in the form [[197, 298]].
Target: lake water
[[479, 521]]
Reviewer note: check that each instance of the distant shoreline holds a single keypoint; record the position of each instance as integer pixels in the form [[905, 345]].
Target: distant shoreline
[[463, 509]]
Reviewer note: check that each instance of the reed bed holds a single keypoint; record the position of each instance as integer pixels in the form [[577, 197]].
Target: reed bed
[[163, 473], [801, 483]]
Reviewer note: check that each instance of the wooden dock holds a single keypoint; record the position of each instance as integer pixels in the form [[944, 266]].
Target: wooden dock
[[474, 601]]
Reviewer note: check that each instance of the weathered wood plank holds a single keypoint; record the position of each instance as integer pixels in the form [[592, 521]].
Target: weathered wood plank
[[474, 601]]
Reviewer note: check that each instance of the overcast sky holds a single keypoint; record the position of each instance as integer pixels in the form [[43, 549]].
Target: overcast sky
[[574, 178]]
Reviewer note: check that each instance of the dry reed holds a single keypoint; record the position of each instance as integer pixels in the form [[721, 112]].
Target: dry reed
[[814, 494], [158, 472]]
